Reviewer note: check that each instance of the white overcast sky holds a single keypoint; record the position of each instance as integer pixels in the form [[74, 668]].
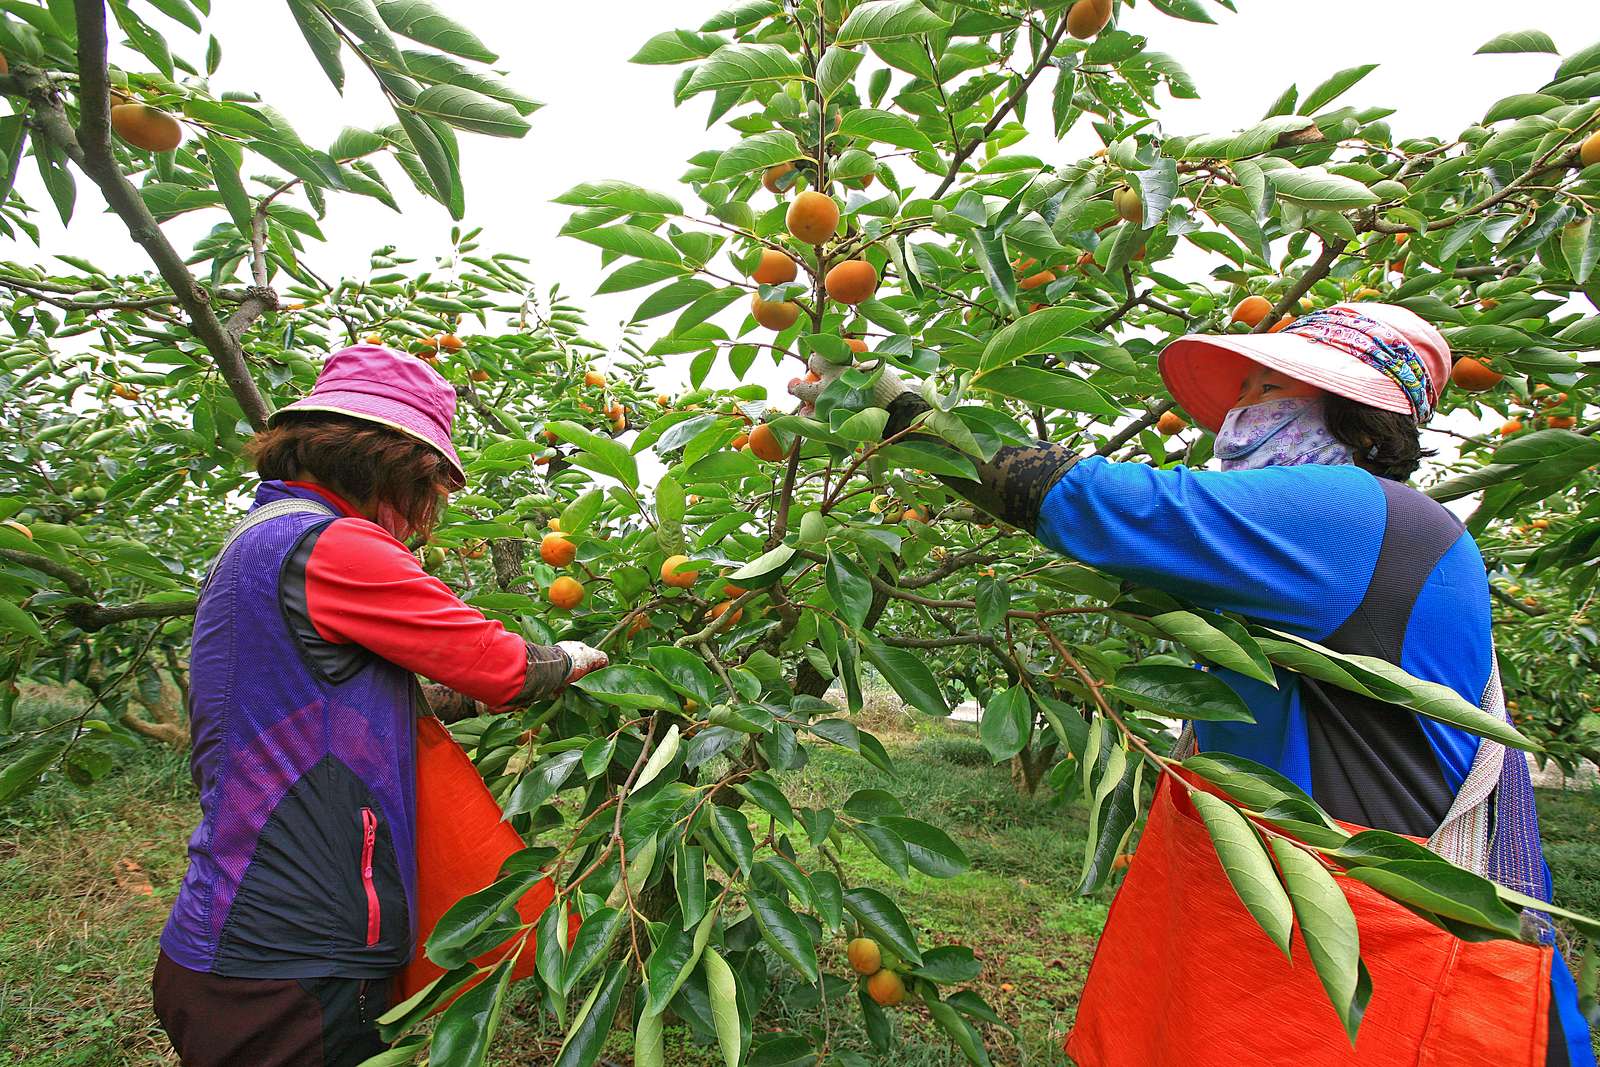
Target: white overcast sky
[[607, 118]]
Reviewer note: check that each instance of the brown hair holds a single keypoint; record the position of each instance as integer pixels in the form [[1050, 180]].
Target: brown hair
[[1387, 443], [360, 461]]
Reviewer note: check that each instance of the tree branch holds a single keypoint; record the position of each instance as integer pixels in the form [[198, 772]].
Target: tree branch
[[91, 150], [999, 116], [1310, 276]]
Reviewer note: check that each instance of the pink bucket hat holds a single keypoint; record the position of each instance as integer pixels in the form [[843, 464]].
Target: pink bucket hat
[[1381, 355], [389, 388]]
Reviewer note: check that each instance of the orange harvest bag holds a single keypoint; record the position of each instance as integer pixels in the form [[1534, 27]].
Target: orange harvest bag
[[1183, 975], [461, 843]]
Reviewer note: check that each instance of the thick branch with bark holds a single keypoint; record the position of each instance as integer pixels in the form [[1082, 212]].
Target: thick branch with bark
[[87, 614], [90, 149]]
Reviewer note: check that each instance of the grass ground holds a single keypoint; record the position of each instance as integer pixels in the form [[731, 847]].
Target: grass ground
[[78, 943]]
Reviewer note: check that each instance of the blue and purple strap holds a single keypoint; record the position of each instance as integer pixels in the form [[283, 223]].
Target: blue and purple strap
[[1378, 345]]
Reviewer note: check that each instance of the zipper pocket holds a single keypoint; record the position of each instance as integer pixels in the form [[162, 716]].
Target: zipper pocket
[[369, 840]]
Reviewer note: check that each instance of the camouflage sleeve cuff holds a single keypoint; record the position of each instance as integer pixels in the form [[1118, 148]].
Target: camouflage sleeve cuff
[[448, 705], [1012, 484], [548, 667]]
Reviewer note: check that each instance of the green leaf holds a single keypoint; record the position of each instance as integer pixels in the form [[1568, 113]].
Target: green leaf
[[468, 109], [1328, 928], [1250, 783], [733, 830], [838, 66], [885, 127], [465, 1030], [1248, 868], [663, 754], [689, 871], [588, 1034], [1544, 445], [625, 196], [57, 179], [459, 934], [744, 13], [1188, 10], [1030, 335], [150, 43], [1580, 247], [1237, 652], [850, 590], [993, 600], [930, 849], [1385, 681], [961, 1032], [649, 1045], [630, 240], [738, 65], [685, 672], [623, 685], [1007, 723], [908, 674], [765, 569], [757, 152], [1519, 41], [423, 22], [1440, 887], [785, 934], [222, 159], [435, 146], [1318, 190], [1180, 692], [885, 844], [886, 19], [1521, 105], [576, 516], [881, 919], [322, 38], [543, 782], [1333, 88], [20, 775], [1047, 388], [14, 620], [724, 995], [596, 934], [600, 454]]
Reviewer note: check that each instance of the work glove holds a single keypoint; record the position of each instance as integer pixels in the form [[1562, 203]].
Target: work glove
[[583, 658], [824, 372]]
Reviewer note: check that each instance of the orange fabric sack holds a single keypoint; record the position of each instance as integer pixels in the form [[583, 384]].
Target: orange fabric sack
[[1183, 975], [461, 843]]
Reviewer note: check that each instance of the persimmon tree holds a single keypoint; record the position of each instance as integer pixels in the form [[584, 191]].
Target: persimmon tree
[[876, 192]]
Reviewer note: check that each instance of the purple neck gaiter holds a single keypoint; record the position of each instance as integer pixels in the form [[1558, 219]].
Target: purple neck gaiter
[[1278, 433]]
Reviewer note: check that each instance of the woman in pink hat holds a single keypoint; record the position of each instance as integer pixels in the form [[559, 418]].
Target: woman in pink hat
[[1310, 528], [313, 624]]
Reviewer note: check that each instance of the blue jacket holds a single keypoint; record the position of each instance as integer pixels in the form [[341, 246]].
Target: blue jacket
[[1357, 563]]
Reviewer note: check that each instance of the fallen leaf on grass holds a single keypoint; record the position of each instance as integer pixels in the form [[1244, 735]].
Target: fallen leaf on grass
[[131, 878]]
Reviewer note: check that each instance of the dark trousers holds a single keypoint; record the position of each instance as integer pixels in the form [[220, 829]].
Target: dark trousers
[[214, 1021]]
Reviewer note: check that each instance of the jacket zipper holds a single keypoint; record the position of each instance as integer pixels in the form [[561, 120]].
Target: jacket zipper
[[369, 839]]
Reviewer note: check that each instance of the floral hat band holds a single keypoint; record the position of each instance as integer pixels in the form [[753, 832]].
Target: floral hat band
[[1378, 345]]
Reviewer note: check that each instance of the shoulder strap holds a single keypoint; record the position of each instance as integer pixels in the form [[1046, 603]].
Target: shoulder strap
[[287, 506], [1492, 829]]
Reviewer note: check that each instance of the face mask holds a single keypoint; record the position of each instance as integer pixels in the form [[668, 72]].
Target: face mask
[[1278, 433]]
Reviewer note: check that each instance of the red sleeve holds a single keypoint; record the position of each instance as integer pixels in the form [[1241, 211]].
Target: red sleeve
[[364, 588]]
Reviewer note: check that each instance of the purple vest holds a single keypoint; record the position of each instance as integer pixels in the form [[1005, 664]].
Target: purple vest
[[304, 862]]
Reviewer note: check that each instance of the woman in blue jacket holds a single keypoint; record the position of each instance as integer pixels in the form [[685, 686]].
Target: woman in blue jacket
[[1310, 528]]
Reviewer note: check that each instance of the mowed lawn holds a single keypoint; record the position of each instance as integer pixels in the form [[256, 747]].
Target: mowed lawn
[[88, 876]]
